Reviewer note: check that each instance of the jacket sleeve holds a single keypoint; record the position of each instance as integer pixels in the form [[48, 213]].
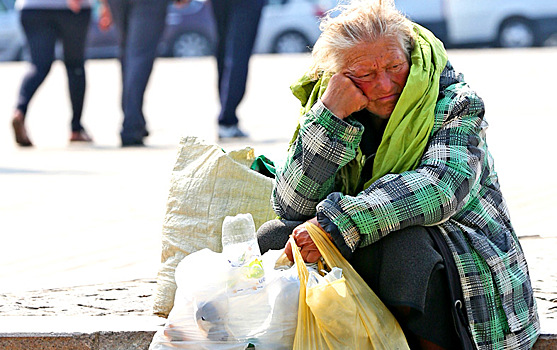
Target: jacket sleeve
[[429, 195], [324, 144]]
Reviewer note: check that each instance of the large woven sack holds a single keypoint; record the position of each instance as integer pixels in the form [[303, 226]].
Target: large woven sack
[[207, 184]]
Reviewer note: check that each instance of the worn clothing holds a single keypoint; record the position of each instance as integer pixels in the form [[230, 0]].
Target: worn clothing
[[406, 269], [454, 188]]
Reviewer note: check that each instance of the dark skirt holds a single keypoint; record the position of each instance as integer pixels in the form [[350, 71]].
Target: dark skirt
[[406, 270]]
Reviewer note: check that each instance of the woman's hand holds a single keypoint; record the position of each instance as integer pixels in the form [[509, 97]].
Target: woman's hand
[[308, 249], [343, 97]]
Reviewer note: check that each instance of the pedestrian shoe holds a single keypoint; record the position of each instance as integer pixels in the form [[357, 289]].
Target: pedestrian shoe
[[133, 143], [19, 131], [80, 136], [230, 131]]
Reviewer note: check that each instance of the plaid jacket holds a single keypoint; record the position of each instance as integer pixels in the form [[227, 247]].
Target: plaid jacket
[[454, 188]]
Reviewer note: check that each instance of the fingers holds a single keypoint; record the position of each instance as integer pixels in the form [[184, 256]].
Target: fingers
[[310, 255], [308, 249], [288, 251], [343, 97]]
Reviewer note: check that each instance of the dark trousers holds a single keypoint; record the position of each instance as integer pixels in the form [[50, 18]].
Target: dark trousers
[[140, 25], [237, 22], [43, 28]]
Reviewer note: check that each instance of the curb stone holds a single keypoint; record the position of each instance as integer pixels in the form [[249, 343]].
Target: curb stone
[[115, 333]]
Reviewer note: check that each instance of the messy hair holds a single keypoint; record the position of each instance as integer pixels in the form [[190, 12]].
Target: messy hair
[[359, 21]]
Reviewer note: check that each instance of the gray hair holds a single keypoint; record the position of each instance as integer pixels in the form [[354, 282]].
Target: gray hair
[[360, 21]]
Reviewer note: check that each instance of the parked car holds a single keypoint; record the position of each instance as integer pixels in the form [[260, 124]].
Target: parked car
[[502, 23], [286, 26], [12, 40], [289, 26], [189, 32]]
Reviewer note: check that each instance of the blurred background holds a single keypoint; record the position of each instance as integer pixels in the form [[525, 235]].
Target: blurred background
[[291, 26]]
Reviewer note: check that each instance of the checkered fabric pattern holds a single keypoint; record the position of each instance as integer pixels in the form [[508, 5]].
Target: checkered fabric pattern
[[455, 188]]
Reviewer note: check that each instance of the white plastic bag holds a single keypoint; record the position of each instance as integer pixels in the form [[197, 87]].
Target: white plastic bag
[[210, 312]]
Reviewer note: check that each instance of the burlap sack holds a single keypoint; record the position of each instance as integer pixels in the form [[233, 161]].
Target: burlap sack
[[207, 185]]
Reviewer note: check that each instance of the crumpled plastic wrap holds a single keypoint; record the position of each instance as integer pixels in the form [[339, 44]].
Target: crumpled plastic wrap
[[207, 314]]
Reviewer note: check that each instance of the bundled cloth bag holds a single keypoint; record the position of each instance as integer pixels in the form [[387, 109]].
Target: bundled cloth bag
[[207, 184], [343, 313]]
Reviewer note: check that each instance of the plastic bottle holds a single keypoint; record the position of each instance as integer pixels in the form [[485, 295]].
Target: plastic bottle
[[239, 241], [248, 305], [238, 229]]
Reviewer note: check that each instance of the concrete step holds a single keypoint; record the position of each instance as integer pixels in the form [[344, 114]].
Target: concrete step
[[112, 332], [78, 332]]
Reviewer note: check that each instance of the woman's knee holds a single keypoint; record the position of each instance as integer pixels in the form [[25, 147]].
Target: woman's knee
[[275, 233]]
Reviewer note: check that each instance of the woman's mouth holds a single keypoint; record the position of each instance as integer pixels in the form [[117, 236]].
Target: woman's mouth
[[387, 98]]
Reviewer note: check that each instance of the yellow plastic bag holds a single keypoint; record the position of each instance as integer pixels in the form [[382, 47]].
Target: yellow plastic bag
[[345, 313]]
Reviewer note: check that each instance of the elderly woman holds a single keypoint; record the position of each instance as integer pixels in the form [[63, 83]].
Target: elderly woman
[[390, 159]]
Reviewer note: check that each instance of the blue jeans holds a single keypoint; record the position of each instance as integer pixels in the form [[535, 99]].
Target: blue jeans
[[140, 25], [42, 29], [237, 22]]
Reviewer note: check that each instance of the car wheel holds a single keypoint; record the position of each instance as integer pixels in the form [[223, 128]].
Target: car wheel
[[516, 32], [191, 44], [291, 42]]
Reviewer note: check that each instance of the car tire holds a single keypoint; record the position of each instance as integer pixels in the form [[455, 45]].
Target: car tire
[[291, 42], [516, 32], [191, 44]]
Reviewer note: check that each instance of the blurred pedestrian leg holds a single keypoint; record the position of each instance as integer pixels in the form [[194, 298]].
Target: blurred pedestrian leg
[[237, 22], [140, 24], [44, 23]]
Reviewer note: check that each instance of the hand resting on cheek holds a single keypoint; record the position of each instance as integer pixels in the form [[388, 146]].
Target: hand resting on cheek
[[343, 97]]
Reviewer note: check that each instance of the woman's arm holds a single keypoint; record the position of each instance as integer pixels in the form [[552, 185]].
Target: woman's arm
[[324, 144], [432, 193]]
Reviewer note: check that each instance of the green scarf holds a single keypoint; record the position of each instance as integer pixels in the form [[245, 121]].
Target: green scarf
[[409, 127]]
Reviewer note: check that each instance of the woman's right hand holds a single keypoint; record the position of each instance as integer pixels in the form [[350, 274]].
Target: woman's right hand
[[308, 249], [342, 97]]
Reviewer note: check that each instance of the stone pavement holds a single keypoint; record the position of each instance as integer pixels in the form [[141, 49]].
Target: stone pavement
[[80, 225]]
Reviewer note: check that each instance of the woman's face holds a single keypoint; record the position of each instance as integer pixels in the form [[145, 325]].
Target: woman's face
[[380, 70]]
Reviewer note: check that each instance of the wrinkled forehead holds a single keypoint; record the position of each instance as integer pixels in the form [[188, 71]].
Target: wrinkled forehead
[[371, 55]]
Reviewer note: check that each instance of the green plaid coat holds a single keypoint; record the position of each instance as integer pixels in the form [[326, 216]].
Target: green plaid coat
[[454, 188]]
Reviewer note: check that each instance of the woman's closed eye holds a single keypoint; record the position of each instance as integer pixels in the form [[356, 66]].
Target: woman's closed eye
[[397, 67], [363, 77]]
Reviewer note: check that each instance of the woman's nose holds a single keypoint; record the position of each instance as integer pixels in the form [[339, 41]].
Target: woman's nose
[[383, 83]]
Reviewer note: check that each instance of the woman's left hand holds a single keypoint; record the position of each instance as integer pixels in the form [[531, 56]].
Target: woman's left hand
[[308, 249]]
